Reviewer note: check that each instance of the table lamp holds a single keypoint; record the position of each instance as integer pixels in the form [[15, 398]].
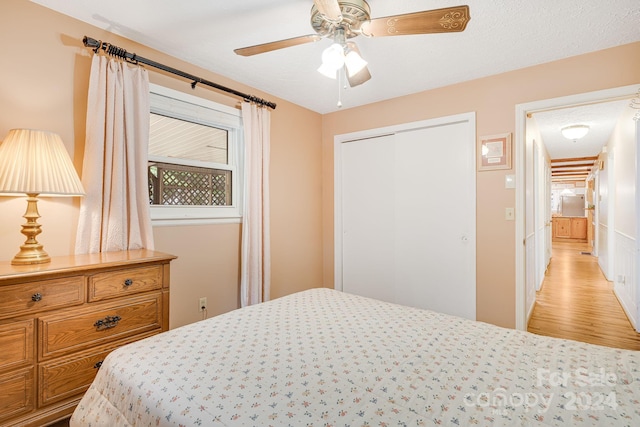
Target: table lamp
[[35, 162]]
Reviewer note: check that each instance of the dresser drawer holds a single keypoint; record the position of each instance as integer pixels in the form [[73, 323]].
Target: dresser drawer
[[57, 320], [96, 324], [16, 344], [71, 376], [16, 393], [113, 284], [31, 297]]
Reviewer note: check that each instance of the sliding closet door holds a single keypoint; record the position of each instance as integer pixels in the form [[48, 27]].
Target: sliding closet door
[[408, 218], [435, 221], [368, 213]]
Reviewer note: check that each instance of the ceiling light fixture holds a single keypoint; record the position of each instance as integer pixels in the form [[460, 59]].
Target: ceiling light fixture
[[574, 132], [341, 54], [333, 59], [336, 56], [354, 62]]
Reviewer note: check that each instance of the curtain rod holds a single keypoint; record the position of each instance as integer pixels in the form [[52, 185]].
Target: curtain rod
[[135, 59]]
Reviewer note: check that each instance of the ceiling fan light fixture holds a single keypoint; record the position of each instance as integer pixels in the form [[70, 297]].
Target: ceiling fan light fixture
[[342, 20], [354, 63], [574, 132], [333, 56], [328, 71]]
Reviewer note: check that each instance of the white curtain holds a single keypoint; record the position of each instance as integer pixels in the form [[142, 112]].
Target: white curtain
[[114, 215], [255, 274]]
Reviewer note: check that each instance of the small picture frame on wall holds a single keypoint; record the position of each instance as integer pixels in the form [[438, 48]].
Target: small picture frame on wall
[[494, 152]]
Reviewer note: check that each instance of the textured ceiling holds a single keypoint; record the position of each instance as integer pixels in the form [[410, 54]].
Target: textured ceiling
[[502, 35], [601, 119]]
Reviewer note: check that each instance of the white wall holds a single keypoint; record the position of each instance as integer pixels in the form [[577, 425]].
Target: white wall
[[623, 144], [536, 207], [542, 209], [606, 200]]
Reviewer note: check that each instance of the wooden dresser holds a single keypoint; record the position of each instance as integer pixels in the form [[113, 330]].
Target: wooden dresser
[[58, 321]]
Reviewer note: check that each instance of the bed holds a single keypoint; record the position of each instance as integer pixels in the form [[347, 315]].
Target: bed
[[327, 358]]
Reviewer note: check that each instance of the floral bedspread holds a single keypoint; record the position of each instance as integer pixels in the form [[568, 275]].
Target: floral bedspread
[[322, 358]]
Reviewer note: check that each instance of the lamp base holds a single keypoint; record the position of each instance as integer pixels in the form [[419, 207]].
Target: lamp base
[[31, 251], [31, 254]]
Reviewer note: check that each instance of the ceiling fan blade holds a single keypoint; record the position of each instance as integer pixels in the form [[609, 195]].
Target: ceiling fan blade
[[447, 20], [280, 44], [329, 8]]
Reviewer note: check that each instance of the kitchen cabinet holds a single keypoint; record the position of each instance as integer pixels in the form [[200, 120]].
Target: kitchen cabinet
[[569, 229]]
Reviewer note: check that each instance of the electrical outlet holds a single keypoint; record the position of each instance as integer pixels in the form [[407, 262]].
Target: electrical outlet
[[202, 304], [509, 214]]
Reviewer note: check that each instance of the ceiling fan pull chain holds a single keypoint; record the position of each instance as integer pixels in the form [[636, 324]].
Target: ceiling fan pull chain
[[339, 88]]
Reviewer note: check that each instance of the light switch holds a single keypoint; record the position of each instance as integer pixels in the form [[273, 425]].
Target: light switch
[[509, 214], [509, 181]]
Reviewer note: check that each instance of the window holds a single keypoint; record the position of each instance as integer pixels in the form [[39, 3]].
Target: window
[[195, 165]]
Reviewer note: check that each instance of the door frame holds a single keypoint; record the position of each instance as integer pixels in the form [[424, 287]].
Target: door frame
[[519, 153], [637, 257], [338, 140]]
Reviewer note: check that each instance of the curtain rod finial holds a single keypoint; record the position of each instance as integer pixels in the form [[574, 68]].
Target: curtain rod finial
[[93, 43]]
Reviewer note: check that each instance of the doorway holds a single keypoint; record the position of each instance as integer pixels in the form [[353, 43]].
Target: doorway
[[523, 208]]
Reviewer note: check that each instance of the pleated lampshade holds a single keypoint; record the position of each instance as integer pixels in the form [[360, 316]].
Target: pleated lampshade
[[37, 162], [34, 162]]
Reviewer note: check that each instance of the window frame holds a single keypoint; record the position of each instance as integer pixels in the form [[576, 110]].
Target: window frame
[[183, 106]]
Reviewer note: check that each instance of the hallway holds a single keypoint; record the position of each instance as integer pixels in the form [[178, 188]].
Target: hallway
[[576, 302]]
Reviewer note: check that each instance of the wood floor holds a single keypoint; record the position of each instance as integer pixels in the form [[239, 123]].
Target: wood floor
[[576, 302]]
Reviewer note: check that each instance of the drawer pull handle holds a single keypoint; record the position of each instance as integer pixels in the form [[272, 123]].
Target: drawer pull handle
[[98, 365], [128, 282], [107, 323], [36, 297]]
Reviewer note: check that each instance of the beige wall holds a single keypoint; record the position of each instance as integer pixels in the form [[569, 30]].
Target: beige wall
[[43, 85], [43, 82], [493, 99]]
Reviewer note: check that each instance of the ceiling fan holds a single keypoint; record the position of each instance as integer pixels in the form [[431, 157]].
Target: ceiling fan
[[342, 20]]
